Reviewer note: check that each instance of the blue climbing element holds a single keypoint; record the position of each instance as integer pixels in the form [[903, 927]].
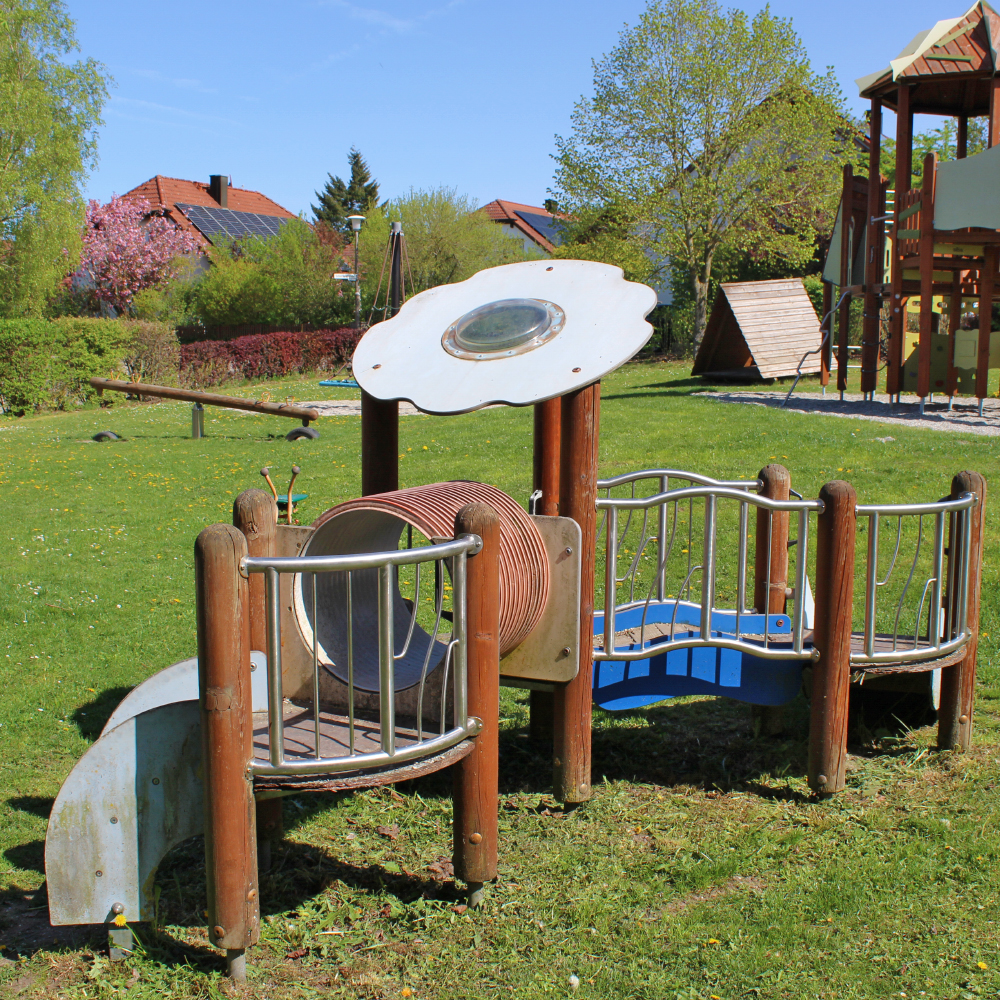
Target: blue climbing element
[[714, 670], [339, 383]]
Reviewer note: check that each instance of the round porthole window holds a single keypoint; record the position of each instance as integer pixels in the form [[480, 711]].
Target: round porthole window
[[503, 328]]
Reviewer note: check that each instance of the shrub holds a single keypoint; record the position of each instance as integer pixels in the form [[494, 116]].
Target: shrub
[[51, 362], [265, 355]]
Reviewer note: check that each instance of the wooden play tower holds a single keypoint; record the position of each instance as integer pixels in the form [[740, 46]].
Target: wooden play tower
[[944, 237]]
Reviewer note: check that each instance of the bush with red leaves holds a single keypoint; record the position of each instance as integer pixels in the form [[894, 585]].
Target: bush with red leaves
[[265, 355]]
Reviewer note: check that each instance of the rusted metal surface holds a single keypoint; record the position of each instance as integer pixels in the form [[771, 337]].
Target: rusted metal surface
[[134, 795], [476, 776], [205, 398], [227, 733]]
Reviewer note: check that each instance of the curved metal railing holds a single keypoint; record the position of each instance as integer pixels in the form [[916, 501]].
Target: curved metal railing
[[946, 628], [451, 553], [926, 617], [738, 630]]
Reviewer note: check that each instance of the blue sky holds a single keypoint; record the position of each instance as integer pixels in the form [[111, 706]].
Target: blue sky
[[460, 93]]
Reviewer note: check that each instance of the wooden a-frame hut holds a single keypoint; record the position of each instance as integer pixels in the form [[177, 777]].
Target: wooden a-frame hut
[[760, 330]]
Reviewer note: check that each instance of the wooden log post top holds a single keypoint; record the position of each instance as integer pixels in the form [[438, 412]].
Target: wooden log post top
[[206, 398]]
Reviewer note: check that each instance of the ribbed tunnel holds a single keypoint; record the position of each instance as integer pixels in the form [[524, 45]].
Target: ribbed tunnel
[[376, 524]]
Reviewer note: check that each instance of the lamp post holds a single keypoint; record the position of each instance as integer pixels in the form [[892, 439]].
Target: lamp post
[[355, 221]]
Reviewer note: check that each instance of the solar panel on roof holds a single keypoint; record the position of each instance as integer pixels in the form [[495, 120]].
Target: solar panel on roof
[[214, 222], [549, 227]]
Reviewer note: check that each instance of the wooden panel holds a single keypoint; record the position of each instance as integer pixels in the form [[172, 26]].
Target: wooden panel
[[778, 323]]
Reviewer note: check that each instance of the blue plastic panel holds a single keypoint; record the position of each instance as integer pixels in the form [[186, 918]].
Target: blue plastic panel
[[620, 685]]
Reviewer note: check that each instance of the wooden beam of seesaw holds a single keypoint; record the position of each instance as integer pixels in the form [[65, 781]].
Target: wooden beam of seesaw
[[206, 398]]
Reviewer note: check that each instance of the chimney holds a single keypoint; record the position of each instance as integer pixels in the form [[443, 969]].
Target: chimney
[[218, 188]]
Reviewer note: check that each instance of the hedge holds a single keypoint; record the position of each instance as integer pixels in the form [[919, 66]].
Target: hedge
[[50, 362], [265, 355]]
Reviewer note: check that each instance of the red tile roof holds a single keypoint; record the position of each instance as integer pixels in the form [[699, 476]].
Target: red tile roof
[[503, 211], [165, 193]]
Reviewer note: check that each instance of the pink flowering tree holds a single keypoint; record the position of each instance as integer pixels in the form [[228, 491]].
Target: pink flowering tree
[[127, 249]]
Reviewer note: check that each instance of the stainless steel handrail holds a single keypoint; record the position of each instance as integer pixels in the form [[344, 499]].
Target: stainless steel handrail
[[711, 491], [942, 638], [456, 551]]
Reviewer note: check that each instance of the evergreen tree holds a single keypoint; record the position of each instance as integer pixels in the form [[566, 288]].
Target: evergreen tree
[[338, 200]]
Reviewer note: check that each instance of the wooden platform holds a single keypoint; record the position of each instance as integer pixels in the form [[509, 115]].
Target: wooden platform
[[300, 744]]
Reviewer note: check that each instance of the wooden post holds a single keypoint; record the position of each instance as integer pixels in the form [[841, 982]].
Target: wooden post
[[770, 576], [986, 280], [379, 445], [227, 731], [578, 497], [897, 315], [826, 354], [547, 456], [545, 477], [255, 514], [835, 535], [926, 275], [962, 138], [904, 140], [477, 774], [873, 258], [954, 322], [994, 111], [958, 683], [846, 246]]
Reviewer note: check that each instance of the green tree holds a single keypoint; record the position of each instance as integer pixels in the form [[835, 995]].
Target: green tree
[[285, 280], [49, 113], [942, 140], [707, 136], [338, 200], [447, 239]]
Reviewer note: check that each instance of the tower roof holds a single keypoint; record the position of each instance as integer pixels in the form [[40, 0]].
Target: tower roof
[[949, 66]]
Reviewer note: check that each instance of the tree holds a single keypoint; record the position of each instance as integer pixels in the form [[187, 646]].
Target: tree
[[338, 200], [942, 140], [284, 280], [126, 249], [447, 239], [707, 136], [49, 113]]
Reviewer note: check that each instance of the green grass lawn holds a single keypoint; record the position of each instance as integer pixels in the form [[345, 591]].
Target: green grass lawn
[[701, 867]]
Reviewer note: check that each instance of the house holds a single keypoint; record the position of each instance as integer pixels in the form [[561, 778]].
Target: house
[[537, 227], [540, 230], [214, 209]]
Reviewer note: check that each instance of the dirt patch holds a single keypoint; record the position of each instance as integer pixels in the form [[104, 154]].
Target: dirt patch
[[738, 883], [963, 418]]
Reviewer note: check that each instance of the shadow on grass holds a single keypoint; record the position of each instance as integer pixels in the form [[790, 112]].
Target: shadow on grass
[[91, 716]]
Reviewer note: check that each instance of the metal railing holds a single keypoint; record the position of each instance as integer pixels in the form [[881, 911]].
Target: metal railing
[[739, 629], [386, 565], [946, 629]]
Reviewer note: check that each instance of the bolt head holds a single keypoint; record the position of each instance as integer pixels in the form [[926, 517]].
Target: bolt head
[[219, 931], [821, 779], [475, 838], [117, 908], [963, 719]]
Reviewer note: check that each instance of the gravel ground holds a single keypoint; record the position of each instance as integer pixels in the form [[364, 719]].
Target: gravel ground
[[964, 418], [351, 408]]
